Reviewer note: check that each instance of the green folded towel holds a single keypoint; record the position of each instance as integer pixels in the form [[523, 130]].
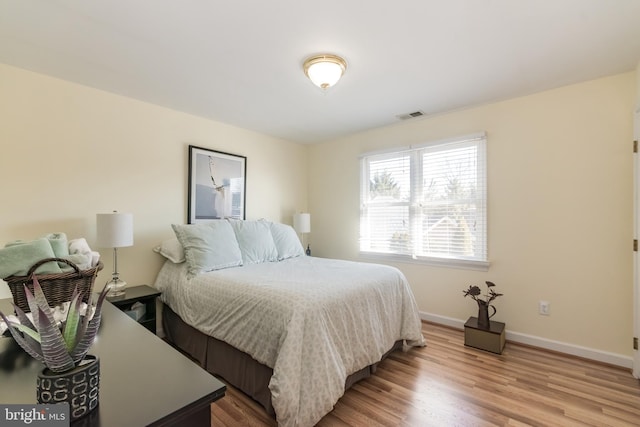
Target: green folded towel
[[16, 258], [59, 244]]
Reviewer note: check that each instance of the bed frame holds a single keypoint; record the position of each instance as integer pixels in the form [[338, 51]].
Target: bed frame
[[232, 365]]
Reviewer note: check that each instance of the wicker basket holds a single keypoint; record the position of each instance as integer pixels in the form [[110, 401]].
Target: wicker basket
[[58, 287]]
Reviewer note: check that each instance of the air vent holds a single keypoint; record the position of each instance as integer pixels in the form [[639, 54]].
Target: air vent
[[408, 116]]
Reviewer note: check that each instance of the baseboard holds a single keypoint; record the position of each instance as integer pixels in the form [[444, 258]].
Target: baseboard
[[562, 347]]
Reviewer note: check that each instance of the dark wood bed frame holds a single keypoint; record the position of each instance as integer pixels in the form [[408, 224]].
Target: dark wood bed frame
[[232, 365]]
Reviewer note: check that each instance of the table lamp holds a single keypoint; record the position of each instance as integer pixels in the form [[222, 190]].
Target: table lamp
[[302, 225], [115, 230]]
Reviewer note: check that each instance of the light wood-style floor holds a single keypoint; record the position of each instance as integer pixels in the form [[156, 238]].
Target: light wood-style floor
[[448, 384]]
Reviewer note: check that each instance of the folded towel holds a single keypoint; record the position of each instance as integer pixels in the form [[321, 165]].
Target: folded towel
[[83, 261], [95, 258], [59, 244], [17, 258], [79, 246]]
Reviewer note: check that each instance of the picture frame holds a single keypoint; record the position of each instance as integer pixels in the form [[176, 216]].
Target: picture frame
[[217, 185]]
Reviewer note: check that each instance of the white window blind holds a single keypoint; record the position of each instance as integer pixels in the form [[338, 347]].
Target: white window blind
[[426, 202]]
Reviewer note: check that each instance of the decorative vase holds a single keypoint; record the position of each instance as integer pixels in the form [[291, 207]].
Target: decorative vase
[[79, 387], [483, 315]]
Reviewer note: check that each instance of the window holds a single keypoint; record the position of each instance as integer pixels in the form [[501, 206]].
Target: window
[[426, 203]]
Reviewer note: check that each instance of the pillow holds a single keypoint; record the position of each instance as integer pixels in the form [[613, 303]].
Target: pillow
[[208, 246], [172, 250], [255, 241], [286, 241]]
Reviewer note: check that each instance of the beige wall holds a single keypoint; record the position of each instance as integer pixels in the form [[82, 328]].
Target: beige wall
[[69, 152], [560, 210], [638, 86]]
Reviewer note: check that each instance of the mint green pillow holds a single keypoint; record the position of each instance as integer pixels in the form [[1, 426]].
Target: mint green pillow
[[208, 246], [286, 240], [255, 241]]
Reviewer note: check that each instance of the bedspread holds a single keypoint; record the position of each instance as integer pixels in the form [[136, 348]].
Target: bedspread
[[314, 321]]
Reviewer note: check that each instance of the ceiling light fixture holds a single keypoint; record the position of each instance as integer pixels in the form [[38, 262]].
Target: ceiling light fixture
[[324, 70]]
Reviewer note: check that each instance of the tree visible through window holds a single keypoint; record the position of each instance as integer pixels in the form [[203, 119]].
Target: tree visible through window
[[383, 184], [426, 202]]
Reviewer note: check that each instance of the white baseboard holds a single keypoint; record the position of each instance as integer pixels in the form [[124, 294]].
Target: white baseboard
[[562, 347]]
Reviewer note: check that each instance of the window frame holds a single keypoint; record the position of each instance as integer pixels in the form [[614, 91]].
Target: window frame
[[413, 204]]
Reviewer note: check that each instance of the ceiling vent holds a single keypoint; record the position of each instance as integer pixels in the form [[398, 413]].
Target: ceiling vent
[[408, 116]]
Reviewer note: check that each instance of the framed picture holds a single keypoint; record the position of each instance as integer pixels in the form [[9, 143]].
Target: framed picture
[[217, 184]]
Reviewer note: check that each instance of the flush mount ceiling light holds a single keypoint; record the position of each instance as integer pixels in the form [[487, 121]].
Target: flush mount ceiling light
[[324, 70]]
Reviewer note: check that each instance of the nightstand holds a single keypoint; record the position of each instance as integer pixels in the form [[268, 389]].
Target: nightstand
[[144, 314]]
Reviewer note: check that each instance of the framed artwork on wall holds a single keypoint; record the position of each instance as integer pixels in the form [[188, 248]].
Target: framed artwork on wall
[[217, 184]]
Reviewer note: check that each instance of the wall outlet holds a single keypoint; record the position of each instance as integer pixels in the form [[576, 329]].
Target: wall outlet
[[544, 308]]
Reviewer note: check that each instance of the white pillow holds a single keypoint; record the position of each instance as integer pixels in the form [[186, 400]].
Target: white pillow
[[172, 250], [286, 241], [255, 241], [208, 246]]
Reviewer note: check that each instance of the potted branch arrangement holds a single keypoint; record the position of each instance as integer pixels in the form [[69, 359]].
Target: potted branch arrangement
[[483, 303], [70, 375]]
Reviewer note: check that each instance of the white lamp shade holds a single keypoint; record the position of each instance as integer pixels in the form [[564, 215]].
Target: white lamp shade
[[115, 230], [302, 222]]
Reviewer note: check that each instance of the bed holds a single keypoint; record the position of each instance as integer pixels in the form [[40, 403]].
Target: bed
[[291, 331]]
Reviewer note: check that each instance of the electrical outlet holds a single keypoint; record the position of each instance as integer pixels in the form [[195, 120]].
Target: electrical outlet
[[544, 308]]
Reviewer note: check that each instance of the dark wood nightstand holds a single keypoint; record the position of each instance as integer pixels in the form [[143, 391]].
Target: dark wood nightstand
[[145, 295]]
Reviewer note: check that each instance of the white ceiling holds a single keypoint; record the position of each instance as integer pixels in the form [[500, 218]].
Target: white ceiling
[[240, 62]]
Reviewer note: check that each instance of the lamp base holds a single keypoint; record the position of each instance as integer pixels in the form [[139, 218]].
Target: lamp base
[[116, 287]]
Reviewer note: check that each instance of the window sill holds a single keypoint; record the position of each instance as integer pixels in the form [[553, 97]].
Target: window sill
[[434, 262]]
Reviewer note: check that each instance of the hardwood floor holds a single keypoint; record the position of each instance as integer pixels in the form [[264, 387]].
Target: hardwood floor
[[448, 384]]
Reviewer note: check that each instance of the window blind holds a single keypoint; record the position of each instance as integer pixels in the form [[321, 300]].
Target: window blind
[[427, 201]]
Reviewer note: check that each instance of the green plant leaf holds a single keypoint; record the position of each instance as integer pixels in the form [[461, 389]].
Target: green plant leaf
[[23, 317], [37, 300], [33, 350], [73, 318], [41, 299], [54, 350], [33, 305], [81, 331], [34, 335], [90, 329], [24, 320]]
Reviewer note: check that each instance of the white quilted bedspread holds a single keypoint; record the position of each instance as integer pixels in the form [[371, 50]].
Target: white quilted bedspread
[[314, 321]]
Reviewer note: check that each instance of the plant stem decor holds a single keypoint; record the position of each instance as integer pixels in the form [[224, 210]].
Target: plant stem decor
[[475, 291], [484, 302], [60, 348]]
